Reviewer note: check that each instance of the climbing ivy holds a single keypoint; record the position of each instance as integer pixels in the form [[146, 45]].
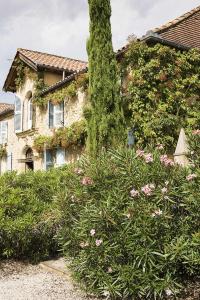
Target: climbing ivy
[[3, 151], [161, 90], [64, 137], [105, 124]]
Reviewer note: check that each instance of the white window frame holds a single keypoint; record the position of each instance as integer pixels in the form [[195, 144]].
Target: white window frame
[[18, 113], [30, 114], [60, 157], [3, 132], [54, 111]]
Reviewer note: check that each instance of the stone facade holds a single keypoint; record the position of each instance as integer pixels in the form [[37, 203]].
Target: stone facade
[[20, 144]]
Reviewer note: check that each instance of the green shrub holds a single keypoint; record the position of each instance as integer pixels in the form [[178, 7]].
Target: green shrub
[[28, 219], [123, 242]]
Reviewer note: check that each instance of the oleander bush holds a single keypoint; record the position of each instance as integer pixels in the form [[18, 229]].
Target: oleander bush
[[130, 223], [28, 219]]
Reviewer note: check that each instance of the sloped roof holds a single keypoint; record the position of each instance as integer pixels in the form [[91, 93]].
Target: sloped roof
[[6, 108], [184, 30], [40, 61], [53, 61]]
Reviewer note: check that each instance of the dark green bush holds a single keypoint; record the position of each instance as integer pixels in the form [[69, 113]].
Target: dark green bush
[[28, 218], [126, 246]]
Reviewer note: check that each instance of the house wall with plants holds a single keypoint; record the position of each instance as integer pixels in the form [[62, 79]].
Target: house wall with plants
[[39, 129]]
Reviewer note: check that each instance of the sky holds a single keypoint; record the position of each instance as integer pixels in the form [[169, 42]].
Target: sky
[[61, 26]]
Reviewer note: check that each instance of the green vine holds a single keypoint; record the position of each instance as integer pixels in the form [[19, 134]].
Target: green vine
[[64, 137], [3, 152], [161, 92], [20, 70]]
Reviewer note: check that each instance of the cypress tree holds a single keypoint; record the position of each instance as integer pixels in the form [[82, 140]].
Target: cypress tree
[[106, 121]]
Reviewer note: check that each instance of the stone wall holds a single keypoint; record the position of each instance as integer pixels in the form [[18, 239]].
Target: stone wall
[[18, 143]]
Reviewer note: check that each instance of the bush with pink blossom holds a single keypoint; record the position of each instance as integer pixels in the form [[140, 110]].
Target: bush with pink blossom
[[134, 231]]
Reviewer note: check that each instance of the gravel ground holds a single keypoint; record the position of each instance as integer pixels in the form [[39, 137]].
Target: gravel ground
[[19, 281]]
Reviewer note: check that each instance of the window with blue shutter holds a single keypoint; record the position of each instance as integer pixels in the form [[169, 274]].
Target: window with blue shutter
[[3, 132], [60, 157], [56, 115], [48, 159], [18, 115]]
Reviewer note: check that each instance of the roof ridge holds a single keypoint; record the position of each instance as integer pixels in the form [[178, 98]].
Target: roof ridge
[[177, 20], [60, 56], [4, 103]]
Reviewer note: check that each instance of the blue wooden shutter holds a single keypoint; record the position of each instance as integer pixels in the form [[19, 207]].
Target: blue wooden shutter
[[51, 113], [48, 159]]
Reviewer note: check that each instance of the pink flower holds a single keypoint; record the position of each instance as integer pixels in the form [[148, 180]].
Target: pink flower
[[157, 213], [78, 171], [87, 181], [164, 190], [140, 153], [98, 242], [148, 189], [134, 193], [84, 245], [148, 158], [160, 147], [166, 161], [92, 232], [110, 270], [128, 215], [196, 132], [191, 177], [168, 292]]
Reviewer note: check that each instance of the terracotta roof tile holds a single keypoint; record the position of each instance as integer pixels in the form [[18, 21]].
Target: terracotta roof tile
[[53, 61], [184, 30], [5, 108]]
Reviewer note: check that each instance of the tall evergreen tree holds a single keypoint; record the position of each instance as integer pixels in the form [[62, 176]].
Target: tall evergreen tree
[[105, 122]]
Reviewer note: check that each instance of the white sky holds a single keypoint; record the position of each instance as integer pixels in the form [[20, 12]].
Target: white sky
[[61, 26]]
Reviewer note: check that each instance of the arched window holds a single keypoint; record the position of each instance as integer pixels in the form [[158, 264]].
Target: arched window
[[30, 114], [18, 115]]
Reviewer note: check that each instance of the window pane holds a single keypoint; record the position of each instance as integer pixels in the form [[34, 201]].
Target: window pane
[[4, 132], [17, 104], [17, 122], [60, 157]]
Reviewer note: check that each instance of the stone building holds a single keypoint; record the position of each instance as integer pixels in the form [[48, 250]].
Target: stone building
[[23, 123], [25, 120]]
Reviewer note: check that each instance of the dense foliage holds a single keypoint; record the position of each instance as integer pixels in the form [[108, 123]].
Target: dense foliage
[[105, 121], [72, 136], [131, 224], [161, 92], [28, 218]]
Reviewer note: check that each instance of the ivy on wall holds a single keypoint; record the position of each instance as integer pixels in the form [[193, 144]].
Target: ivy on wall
[[3, 152], [161, 92], [64, 137]]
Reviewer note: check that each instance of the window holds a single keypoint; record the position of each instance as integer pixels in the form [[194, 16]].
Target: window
[[18, 115], [3, 132], [48, 159], [30, 114], [9, 162], [60, 157], [56, 115]]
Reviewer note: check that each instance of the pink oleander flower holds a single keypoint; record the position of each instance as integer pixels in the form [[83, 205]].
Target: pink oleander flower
[[191, 177], [98, 242], [148, 158], [148, 189], [164, 190], [196, 132], [92, 232], [128, 215], [110, 270], [84, 245], [157, 213], [167, 161], [160, 147], [87, 181], [79, 171], [168, 292], [140, 153], [134, 193]]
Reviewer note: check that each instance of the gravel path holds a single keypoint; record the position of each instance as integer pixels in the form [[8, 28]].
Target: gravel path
[[19, 281]]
